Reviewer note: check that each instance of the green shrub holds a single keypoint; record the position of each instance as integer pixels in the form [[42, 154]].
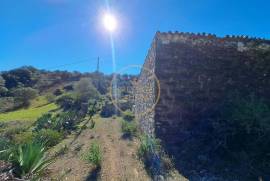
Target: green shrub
[[94, 106], [50, 97], [66, 121], [125, 105], [45, 121], [148, 145], [6, 104], [246, 130], [94, 154], [29, 160], [108, 110], [24, 95], [150, 153], [128, 116], [61, 122], [66, 101], [3, 91], [85, 90], [23, 137], [5, 144], [58, 92], [129, 128], [48, 137], [12, 131]]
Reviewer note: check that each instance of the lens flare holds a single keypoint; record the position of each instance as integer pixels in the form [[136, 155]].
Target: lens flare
[[109, 22]]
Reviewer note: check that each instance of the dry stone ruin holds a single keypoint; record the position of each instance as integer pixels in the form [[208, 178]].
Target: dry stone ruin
[[198, 74]]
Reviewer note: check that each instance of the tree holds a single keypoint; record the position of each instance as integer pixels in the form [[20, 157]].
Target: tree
[[85, 90], [24, 76], [24, 95], [66, 102], [2, 81], [3, 91], [101, 82]]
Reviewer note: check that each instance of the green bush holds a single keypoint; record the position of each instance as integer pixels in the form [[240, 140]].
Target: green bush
[[94, 106], [23, 137], [24, 95], [58, 92], [3, 91], [125, 105], [5, 144], [151, 154], [12, 131], [48, 137], [128, 116], [29, 160], [66, 101], [108, 110], [50, 97], [246, 131], [148, 145], [44, 122], [65, 121], [94, 154], [129, 128], [6, 104], [61, 122], [85, 90]]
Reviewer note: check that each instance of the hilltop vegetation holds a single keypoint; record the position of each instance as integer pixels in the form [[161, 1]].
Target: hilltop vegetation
[[39, 109]]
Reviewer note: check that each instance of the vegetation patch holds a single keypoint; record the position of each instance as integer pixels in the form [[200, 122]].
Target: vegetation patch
[[94, 154], [48, 137], [156, 161], [29, 114], [23, 137], [128, 116], [28, 160], [129, 129]]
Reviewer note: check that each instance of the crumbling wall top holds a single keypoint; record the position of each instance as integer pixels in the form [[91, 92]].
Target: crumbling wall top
[[209, 39]]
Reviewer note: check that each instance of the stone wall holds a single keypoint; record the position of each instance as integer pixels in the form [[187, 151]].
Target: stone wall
[[146, 93], [199, 75], [194, 70], [196, 73]]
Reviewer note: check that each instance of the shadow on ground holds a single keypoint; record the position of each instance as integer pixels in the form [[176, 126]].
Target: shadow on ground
[[199, 155], [94, 175], [126, 136]]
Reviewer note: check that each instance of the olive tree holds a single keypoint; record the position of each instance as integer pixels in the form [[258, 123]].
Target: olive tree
[[24, 95], [85, 90]]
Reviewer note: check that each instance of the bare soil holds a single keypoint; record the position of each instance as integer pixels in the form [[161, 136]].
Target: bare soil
[[119, 159]]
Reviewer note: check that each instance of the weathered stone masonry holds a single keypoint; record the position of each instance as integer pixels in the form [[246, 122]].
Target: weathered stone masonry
[[195, 70]]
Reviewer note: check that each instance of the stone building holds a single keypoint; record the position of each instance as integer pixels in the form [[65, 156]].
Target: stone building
[[196, 73]]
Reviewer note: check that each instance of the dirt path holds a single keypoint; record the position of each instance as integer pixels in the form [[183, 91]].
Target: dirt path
[[70, 165], [120, 161], [119, 156]]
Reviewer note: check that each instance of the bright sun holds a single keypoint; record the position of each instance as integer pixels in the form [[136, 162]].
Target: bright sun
[[109, 22]]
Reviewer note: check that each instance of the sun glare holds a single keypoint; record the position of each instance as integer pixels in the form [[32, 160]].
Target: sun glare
[[109, 22]]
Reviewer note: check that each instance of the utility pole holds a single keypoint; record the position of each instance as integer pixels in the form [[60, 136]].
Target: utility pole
[[97, 65]]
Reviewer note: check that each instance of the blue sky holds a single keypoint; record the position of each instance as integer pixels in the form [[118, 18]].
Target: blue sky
[[49, 33]]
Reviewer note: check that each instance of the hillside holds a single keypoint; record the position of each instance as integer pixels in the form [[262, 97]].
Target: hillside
[[65, 127]]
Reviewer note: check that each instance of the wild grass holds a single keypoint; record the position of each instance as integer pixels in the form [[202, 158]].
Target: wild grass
[[29, 114], [156, 161], [39, 102], [129, 128], [94, 154]]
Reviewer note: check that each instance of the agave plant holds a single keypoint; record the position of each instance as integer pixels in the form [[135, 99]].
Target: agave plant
[[29, 159]]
